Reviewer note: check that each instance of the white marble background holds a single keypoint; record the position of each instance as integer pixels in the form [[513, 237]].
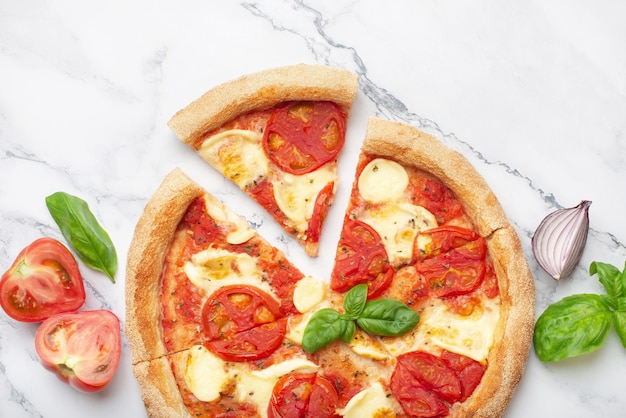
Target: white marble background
[[532, 93]]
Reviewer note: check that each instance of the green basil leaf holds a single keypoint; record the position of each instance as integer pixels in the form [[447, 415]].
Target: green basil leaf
[[610, 277], [83, 232], [354, 300], [348, 334], [573, 326], [325, 325], [387, 317], [619, 320]]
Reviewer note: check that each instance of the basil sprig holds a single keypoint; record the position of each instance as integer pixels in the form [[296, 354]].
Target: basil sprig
[[385, 317], [579, 324], [83, 232]]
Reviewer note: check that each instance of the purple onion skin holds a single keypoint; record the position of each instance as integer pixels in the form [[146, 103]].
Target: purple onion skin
[[560, 239]]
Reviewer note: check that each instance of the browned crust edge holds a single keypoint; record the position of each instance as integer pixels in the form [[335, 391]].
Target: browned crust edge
[[153, 234], [513, 335], [159, 390], [262, 90]]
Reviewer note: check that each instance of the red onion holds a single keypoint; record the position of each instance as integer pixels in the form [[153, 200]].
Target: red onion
[[560, 239]]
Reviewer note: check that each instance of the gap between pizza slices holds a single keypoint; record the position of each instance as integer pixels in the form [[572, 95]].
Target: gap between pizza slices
[[277, 135], [421, 227]]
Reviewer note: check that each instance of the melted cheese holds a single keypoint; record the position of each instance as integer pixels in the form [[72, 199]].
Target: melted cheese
[[398, 224], [240, 230], [206, 375], [370, 402], [382, 180], [296, 195], [237, 154], [367, 346], [308, 293], [469, 335], [214, 268]]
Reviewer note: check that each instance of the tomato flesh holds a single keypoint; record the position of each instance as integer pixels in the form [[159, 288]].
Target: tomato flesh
[[300, 395], [444, 239], [361, 258], [44, 280], [242, 322], [456, 272], [81, 348], [302, 136]]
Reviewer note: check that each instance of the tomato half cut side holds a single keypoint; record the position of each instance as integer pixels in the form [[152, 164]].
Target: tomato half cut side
[[82, 348], [252, 344], [233, 309], [44, 280], [299, 395], [302, 136], [361, 258]]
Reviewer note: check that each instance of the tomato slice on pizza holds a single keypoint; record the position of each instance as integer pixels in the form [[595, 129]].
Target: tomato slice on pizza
[[276, 134]]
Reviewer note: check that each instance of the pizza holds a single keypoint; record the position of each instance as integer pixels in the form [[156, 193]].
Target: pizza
[[277, 135], [428, 311]]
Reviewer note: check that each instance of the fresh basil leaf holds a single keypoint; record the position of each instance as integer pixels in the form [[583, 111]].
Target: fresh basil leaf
[[610, 277], [619, 320], [387, 317], [348, 333], [354, 300], [83, 232], [325, 325], [573, 326]]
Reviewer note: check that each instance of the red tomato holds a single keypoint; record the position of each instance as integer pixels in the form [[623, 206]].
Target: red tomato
[[456, 272], [361, 258], [43, 281], [302, 136], [444, 239], [470, 371], [436, 197], [242, 322], [422, 383], [322, 204], [300, 395], [81, 348]]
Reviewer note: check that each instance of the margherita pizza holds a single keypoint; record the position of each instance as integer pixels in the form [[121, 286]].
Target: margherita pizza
[[428, 311], [277, 135]]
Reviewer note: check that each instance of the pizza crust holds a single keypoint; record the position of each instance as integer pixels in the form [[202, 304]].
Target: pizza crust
[[262, 90], [512, 338], [153, 234], [159, 390]]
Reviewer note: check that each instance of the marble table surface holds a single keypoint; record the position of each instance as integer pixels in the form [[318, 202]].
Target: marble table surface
[[532, 93]]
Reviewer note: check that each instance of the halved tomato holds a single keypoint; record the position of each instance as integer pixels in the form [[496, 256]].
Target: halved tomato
[[242, 322], [300, 395], [81, 348], [44, 280], [361, 258], [302, 136]]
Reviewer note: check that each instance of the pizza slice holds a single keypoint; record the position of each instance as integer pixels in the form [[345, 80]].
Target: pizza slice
[[277, 135], [423, 227]]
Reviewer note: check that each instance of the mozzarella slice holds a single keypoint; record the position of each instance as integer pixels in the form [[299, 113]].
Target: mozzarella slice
[[237, 154], [205, 374], [370, 402], [469, 335], [308, 293], [296, 195], [367, 346], [382, 180], [397, 225], [240, 232], [214, 268]]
